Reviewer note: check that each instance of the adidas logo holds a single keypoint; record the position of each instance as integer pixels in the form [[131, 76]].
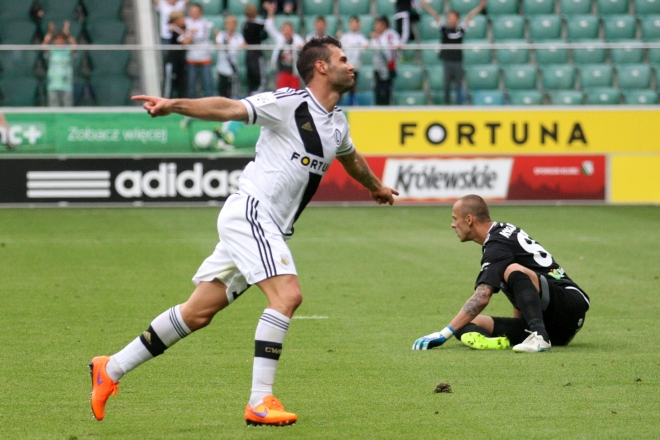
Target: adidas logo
[[307, 126]]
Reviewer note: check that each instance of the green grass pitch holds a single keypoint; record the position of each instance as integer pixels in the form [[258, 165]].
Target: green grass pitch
[[76, 283]]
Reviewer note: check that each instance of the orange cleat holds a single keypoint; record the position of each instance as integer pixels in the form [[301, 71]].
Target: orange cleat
[[270, 412], [102, 386]]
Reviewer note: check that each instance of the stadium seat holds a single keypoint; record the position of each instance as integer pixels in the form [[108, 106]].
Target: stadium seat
[[538, 7], [18, 63], [365, 80], [109, 62], [558, 77], [519, 77], [611, 7], [436, 78], [409, 98], [574, 7], [215, 7], [651, 27], [105, 9], [106, 31], [592, 54], [477, 52], [430, 57], [408, 77], [317, 7], [516, 54], [367, 58], [331, 21], [438, 5], [502, 7], [565, 97], [364, 98], [484, 77], [507, 27], [544, 27], [634, 76], [487, 97], [352, 7], [477, 28], [631, 53], [463, 6], [525, 97], [19, 92], [582, 27], [646, 7], [15, 10], [237, 7], [14, 31], [619, 27], [640, 97], [428, 28], [366, 24], [553, 54], [602, 96], [218, 22], [60, 9], [111, 90], [596, 75], [293, 19], [385, 7]]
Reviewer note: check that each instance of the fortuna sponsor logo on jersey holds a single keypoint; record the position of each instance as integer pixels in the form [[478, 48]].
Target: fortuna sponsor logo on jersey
[[68, 184], [314, 164]]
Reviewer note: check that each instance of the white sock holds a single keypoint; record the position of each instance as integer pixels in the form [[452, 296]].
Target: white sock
[[167, 329], [269, 337]]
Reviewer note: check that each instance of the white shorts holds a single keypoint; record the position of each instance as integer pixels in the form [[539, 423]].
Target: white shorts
[[251, 248]]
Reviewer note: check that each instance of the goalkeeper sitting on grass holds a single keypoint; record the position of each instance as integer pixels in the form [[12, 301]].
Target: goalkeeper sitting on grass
[[549, 308]]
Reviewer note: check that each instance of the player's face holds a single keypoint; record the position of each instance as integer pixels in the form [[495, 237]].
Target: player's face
[[340, 71], [459, 223]]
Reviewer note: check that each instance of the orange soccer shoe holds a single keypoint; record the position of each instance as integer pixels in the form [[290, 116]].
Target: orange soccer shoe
[[102, 386], [270, 412]]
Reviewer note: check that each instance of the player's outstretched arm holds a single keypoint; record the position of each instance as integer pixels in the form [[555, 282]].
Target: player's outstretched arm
[[209, 109], [474, 306], [356, 167]]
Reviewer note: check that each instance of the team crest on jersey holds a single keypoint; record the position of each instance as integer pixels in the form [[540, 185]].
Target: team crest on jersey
[[337, 136], [263, 99]]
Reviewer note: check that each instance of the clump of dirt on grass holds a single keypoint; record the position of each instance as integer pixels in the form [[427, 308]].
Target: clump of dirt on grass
[[443, 387]]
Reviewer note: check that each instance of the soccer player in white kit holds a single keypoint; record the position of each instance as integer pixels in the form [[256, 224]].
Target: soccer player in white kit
[[302, 132]]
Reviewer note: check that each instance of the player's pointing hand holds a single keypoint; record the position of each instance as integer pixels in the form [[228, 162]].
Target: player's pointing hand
[[384, 194], [154, 105]]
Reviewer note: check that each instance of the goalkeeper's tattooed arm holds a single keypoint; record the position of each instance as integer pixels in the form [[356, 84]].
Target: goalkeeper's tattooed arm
[[473, 307]]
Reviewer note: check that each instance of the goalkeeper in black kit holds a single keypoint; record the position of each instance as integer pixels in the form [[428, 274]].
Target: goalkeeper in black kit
[[549, 308]]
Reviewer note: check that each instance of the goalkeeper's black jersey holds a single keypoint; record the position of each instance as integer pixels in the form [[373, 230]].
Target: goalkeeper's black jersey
[[506, 244]]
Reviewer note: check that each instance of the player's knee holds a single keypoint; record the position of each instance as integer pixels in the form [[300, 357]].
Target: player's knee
[[517, 279], [511, 268]]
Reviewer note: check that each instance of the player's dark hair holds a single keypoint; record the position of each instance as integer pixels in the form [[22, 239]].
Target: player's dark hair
[[321, 18], [475, 205], [314, 50]]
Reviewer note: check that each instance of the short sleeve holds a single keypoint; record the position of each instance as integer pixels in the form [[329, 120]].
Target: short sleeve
[[496, 258], [346, 146], [264, 110]]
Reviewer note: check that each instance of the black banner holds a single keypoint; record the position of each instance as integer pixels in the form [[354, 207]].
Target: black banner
[[119, 179]]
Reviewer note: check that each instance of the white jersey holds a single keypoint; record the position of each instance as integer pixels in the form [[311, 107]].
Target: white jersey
[[228, 58], [384, 59], [298, 141], [201, 36], [353, 44], [164, 10]]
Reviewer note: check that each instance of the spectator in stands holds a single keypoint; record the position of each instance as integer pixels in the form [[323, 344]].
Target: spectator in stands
[[353, 42], [320, 27], [176, 84], [254, 34], [227, 67], [165, 9], [287, 7], [60, 65], [198, 31], [284, 56], [451, 32], [385, 42], [406, 14]]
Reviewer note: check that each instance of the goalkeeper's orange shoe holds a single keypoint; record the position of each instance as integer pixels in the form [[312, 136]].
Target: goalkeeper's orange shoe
[[102, 386], [270, 412]]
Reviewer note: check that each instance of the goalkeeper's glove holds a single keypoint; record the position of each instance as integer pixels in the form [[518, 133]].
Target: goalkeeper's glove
[[434, 339]]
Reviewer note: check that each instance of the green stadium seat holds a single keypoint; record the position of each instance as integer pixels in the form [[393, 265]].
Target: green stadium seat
[[519, 77], [516, 54], [558, 77], [15, 10], [332, 24], [364, 98], [19, 92], [367, 58], [104, 9], [109, 62], [640, 97], [507, 27], [596, 75], [237, 7], [631, 53], [565, 97], [602, 96], [14, 31], [538, 7], [408, 77], [436, 78], [60, 9], [409, 98], [385, 7], [366, 24], [574, 7], [218, 22], [18, 63], [428, 28], [611, 7], [592, 54], [463, 6], [525, 97], [438, 5], [646, 7], [293, 19], [502, 7], [365, 80], [106, 31], [430, 57], [544, 27], [75, 27], [352, 7], [111, 90], [634, 76], [619, 27], [484, 77], [582, 27], [487, 97], [477, 52], [651, 27], [318, 7], [477, 28], [553, 54]]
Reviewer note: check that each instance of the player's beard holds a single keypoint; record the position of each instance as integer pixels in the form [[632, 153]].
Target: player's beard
[[345, 85]]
